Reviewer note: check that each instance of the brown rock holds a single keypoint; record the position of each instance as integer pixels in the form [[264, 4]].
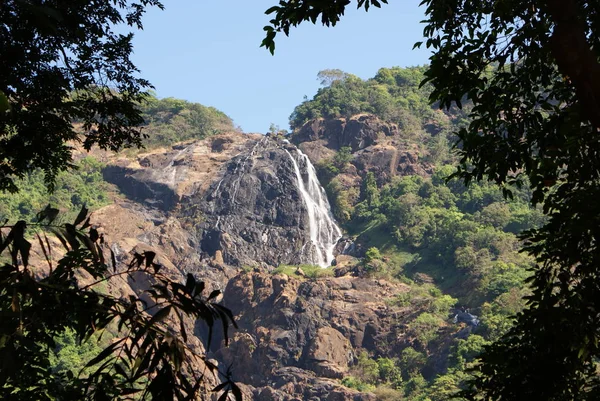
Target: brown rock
[[218, 259], [330, 353]]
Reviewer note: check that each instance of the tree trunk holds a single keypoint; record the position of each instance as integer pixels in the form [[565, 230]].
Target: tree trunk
[[574, 56]]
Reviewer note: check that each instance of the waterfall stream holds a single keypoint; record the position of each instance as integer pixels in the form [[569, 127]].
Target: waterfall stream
[[324, 232]]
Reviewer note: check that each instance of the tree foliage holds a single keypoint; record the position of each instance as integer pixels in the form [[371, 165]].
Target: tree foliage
[[290, 13], [81, 186], [148, 356], [62, 62], [168, 121], [393, 94]]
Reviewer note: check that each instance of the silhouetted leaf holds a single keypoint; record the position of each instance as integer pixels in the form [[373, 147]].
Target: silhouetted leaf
[[105, 353], [160, 316], [220, 387], [81, 216], [214, 294], [224, 396], [93, 235], [113, 260]]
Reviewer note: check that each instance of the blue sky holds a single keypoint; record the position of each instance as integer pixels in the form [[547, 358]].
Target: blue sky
[[208, 52]]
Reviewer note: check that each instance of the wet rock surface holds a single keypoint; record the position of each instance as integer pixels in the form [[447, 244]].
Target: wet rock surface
[[254, 213], [213, 206]]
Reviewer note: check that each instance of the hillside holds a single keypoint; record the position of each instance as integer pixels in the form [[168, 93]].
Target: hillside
[[426, 272]]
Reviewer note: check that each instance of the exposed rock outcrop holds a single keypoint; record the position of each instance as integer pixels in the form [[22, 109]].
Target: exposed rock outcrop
[[377, 146], [256, 212], [163, 177], [306, 329], [357, 132], [210, 207]]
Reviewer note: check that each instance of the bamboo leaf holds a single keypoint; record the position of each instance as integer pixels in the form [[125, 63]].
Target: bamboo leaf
[[81, 216], [105, 353]]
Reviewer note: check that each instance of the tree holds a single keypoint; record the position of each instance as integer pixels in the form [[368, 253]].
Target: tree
[[146, 357], [63, 62], [532, 74], [66, 78], [329, 76]]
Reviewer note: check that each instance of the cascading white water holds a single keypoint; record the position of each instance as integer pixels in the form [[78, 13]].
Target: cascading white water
[[324, 232]]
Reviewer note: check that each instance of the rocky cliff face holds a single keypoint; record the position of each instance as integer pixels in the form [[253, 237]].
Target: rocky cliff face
[[297, 336], [377, 146], [256, 212], [212, 206], [245, 198]]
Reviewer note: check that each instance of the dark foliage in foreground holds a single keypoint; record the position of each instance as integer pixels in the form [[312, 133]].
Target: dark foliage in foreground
[[62, 62], [147, 356]]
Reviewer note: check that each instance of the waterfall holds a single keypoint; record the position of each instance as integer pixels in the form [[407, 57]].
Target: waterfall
[[324, 232]]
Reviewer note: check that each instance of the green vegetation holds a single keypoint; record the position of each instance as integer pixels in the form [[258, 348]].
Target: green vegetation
[[75, 67], [71, 354], [455, 245], [51, 327], [369, 374], [531, 71], [463, 237], [394, 95], [73, 189], [67, 78], [168, 121], [304, 271]]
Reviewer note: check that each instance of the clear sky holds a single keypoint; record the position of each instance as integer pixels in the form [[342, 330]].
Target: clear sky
[[208, 52]]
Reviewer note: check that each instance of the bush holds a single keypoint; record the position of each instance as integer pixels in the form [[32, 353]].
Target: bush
[[367, 368], [309, 271], [353, 382], [384, 393], [411, 362], [73, 188], [389, 372], [425, 327]]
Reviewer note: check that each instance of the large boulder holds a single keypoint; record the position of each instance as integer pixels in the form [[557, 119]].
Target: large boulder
[[330, 353]]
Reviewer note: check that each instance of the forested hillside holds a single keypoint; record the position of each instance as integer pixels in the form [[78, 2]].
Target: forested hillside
[[456, 246], [448, 253], [394, 95], [169, 120]]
